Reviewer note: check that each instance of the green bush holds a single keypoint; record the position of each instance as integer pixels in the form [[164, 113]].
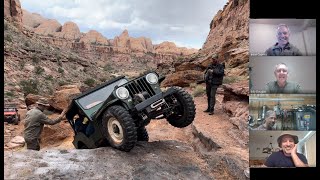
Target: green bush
[[29, 86], [27, 44], [90, 82], [108, 67], [198, 91], [9, 94], [61, 83], [8, 37], [38, 70], [35, 59], [60, 70], [49, 78], [231, 79], [21, 64]]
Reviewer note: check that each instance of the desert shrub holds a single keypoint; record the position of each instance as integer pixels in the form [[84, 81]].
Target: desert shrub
[[198, 91], [231, 79], [192, 85], [27, 44], [29, 86], [61, 83], [35, 59], [21, 64], [60, 70], [8, 37], [90, 82], [108, 67], [9, 94], [38, 70], [49, 78]]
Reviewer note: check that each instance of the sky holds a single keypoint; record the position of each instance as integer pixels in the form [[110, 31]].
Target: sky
[[184, 22]]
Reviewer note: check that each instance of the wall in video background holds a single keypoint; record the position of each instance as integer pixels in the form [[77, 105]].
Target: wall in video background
[[262, 35], [302, 70], [293, 111]]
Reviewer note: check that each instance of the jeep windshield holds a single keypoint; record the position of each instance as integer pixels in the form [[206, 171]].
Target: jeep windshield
[[94, 100]]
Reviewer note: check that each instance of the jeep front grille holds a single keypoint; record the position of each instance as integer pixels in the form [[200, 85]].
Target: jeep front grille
[[138, 86]]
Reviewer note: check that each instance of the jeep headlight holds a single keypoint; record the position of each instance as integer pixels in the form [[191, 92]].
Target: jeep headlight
[[122, 93], [152, 78]]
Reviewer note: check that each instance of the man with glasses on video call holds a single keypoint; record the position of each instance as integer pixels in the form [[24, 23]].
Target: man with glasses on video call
[[283, 47]]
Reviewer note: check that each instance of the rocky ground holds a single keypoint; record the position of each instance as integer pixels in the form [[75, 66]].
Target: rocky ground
[[205, 150]]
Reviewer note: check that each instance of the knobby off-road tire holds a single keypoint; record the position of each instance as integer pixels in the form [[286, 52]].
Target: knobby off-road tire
[[119, 128], [185, 111], [142, 134]]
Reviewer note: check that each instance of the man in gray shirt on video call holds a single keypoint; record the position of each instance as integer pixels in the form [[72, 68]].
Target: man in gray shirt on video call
[[281, 85], [283, 47]]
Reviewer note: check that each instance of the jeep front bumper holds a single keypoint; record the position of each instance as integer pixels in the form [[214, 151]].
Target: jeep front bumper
[[154, 101]]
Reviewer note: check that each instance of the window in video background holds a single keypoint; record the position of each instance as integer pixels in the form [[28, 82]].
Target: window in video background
[[282, 112], [263, 35], [301, 74], [264, 143]]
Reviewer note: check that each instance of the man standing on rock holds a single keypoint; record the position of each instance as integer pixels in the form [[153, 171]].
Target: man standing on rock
[[213, 77], [34, 122]]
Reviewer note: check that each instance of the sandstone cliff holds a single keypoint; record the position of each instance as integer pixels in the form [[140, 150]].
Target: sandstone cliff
[[13, 12], [69, 36], [228, 37]]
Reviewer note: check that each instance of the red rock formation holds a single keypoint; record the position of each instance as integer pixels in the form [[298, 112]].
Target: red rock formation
[[69, 30], [31, 20], [182, 78], [13, 12], [48, 27], [94, 37], [228, 36], [170, 48]]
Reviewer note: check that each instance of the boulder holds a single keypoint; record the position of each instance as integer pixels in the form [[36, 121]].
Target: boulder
[[182, 78], [62, 98]]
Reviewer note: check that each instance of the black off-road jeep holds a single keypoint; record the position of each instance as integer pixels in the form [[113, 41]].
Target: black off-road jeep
[[118, 111]]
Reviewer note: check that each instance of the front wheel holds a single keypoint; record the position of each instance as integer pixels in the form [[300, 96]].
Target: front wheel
[[184, 111], [119, 128]]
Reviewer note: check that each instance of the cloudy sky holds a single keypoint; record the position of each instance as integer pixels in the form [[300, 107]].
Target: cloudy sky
[[184, 22]]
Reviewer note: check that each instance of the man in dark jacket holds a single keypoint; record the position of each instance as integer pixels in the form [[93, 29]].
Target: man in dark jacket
[[34, 122], [213, 77]]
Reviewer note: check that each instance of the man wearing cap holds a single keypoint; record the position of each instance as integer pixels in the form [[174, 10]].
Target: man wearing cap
[[288, 156], [34, 122], [213, 77]]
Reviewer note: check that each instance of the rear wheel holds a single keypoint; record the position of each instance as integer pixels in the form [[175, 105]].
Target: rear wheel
[[142, 134], [119, 128], [185, 110]]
